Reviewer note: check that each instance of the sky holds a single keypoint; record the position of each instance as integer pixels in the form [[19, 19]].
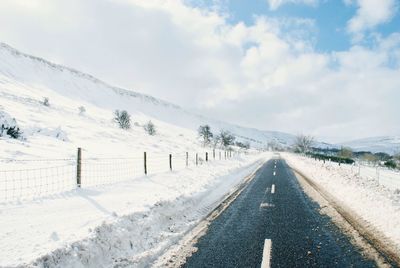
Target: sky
[[327, 68]]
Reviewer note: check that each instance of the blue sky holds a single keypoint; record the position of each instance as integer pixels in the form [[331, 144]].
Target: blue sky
[[330, 17]]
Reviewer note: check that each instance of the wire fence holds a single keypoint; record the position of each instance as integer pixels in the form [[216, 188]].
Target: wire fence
[[30, 178], [381, 175]]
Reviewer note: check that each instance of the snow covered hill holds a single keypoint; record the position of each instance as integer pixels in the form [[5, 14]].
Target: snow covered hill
[[26, 80], [387, 144]]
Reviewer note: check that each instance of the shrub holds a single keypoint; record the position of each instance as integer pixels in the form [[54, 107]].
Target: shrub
[[243, 145], [226, 138], [205, 134], [46, 101], [391, 164], [150, 128], [82, 110], [9, 127], [123, 119], [14, 131]]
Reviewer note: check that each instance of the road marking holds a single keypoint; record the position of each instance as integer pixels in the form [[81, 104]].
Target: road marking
[[273, 189], [274, 173], [266, 205], [266, 260]]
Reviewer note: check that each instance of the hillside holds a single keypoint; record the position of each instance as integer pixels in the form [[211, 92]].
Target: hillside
[[26, 80], [387, 144]]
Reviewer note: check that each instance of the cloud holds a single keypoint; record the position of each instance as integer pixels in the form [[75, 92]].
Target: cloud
[[370, 13], [265, 75], [275, 4]]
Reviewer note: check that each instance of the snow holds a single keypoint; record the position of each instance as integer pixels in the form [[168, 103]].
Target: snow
[[386, 144], [26, 80], [119, 215], [132, 221], [375, 203]]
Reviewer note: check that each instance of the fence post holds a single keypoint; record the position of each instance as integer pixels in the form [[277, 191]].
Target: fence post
[[197, 159], [377, 174], [170, 162], [187, 159], [145, 163], [214, 154], [219, 155], [206, 156], [79, 168]]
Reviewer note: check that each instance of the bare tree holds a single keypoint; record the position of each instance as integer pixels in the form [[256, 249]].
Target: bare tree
[[205, 134], [303, 143], [150, 128], [123, 119]]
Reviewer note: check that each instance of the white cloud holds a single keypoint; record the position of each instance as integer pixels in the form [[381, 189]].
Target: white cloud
[[275, 4], [370, 13], [266, 75]]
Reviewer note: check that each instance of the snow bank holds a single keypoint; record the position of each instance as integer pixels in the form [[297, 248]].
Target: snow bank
[[132, 222], [376, 204]]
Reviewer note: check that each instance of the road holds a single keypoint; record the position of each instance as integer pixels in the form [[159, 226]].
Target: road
[[272, 223]]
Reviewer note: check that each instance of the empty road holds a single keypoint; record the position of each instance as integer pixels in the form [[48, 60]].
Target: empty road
[[272, 223]]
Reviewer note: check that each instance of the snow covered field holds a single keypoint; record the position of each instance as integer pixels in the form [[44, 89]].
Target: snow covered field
[[376, 204], [382, 176]]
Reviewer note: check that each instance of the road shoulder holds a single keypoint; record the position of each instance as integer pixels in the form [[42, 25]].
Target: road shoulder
[[372, 243]]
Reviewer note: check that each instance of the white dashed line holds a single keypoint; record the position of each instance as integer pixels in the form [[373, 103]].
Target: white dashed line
[[266, 205], [273, 189], [266, 260], [274, 173]]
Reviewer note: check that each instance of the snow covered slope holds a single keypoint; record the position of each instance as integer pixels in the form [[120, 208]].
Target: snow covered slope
[[387, 144], [26, 80]]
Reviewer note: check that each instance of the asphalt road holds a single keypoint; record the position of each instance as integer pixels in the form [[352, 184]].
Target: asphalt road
[[284, 218]]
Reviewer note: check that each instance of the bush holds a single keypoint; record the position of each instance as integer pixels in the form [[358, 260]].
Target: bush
[[337, 159], [14, 132], [391, 164], [46, 101], [243, 145], [82, 110], [9, 127], [205, 134], [226, 138], [150, 128], [123, 119]]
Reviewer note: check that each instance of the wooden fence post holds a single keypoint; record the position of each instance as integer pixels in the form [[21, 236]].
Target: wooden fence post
[[219, 155], [79, 168], [197, 159], [170, 162], [187, 159], [145, 163], [214, 154], [206, 156]]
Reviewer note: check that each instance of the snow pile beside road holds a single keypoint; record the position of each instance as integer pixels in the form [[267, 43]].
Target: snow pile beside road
[[376, 204], [127, 223]]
